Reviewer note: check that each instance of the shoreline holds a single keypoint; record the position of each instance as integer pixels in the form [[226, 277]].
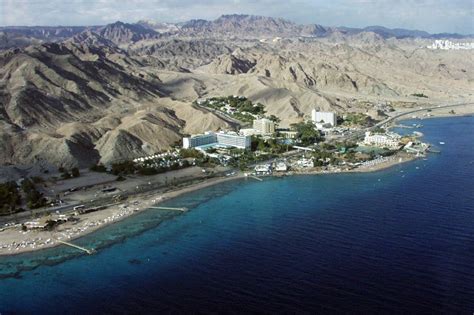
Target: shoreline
[[94, 221], [146, 200], [461, 110], [91, 222]]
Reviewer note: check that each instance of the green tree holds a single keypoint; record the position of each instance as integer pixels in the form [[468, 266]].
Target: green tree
[[275, 119], [98, 168], [34, 198], [10, 198], [190, 153], [306, 133]]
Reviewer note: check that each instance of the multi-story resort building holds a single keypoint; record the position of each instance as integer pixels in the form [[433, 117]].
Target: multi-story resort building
[[323, 119], [211, 139], [261, 126], [233, 140], [199, 140], [264, 126], [386, 140]]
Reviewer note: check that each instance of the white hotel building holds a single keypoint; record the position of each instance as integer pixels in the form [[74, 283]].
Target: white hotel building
[[264, 126], [323, 119], [210, 139], [390, 141]]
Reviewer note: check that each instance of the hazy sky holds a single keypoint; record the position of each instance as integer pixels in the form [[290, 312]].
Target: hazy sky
[[431, 15]]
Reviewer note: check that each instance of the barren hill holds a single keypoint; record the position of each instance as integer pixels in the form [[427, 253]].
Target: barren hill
[[125, 90]]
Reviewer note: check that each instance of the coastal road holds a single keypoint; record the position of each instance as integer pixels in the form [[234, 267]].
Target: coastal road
[[222, 115], [360, 133], [398, 115]]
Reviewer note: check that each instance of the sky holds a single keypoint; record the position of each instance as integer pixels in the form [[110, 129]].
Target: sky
[[434, 16]]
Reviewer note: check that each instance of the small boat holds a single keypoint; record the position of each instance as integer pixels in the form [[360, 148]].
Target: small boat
[[441, 142]]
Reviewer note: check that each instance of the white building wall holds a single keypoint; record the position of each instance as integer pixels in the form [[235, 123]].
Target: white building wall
[[237, 141], [381, 140], [264, 126], [198, 140], [325, 117], [222, 138]]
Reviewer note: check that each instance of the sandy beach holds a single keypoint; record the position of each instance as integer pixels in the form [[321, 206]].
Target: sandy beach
[[15, 241]]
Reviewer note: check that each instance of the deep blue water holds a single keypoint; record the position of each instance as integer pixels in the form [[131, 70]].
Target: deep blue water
[[396, 241]]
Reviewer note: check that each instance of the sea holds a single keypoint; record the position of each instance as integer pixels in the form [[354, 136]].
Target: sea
[[395, 241]]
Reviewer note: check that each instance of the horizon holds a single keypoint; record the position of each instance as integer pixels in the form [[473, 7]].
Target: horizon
[[167, 22], [444, 16]]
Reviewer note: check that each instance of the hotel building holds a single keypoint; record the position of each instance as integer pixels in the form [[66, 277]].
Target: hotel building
[[390, 141], [199, 140], [322, 119], [264, 126], [210, 139]]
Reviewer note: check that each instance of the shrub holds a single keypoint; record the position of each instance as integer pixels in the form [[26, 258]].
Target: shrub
[[75, 172], [419, 95], [98, 168]]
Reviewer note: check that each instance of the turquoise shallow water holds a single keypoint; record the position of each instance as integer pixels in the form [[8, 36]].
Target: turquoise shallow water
[[399, 240]]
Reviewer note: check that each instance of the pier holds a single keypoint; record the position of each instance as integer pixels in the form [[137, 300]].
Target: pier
[[88, 251], [255, 177], [170, 208]]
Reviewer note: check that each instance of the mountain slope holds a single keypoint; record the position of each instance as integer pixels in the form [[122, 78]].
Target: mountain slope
[[125, 33], [71, 104], [122, 91]]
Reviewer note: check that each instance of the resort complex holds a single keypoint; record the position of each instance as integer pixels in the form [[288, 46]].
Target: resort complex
[[323, 142]]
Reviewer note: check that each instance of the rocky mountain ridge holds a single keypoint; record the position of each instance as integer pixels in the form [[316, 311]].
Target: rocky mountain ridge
[[234, 25], [120, 91]]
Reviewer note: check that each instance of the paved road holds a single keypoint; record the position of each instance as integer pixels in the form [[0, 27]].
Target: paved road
[[383, 122], [360, 133], [222, 115]]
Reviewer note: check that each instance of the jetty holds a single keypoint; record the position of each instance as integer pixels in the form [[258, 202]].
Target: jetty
[[170, 208], [88, 251], [255, 177]]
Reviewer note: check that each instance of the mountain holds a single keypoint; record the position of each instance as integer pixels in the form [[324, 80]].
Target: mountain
[[71, 106], [227, 26], [12, 40], [125, 33], [22, 36], [45, 33], [248, 26], [182, 54], [396, 32], [158, 27], [76, 96]]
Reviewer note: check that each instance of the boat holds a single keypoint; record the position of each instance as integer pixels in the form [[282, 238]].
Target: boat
[[441, 142]]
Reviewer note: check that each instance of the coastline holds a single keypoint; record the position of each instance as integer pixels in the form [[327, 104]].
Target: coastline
[[18, 242], [94, 221], [97, 220], [461, 110]]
